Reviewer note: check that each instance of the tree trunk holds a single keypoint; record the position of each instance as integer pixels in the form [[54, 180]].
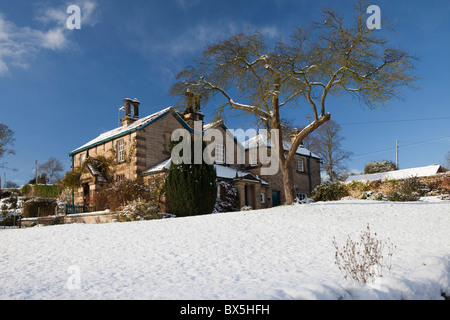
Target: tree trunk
[[286, 173], [288, 183]]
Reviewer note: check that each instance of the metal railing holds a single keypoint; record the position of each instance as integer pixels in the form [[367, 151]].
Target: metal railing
[[71, 209]]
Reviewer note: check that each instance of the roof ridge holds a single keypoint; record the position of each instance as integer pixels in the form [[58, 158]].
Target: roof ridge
[[117, 132]]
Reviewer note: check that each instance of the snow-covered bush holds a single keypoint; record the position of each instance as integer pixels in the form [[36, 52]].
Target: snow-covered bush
[[364, 260], [10, 219], [379, 166], [138, 210], [228, 200], [303, 201], [329, 191], [371, 195]]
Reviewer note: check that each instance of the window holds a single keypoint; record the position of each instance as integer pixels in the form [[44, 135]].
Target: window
[[263, 198], [120, 177], [220, 153], [301, 196], [300, 166], [253, 158], [120, 151]]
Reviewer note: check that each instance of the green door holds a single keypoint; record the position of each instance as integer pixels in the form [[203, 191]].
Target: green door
[[276, 198]]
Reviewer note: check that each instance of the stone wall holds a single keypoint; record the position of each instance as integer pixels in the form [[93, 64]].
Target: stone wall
[[85, 218]]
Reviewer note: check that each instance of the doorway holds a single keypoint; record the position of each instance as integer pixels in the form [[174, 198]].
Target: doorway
[[276, 198]]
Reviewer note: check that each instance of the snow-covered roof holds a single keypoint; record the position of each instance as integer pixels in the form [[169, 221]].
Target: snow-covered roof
[[213, 124], [261, 140], [163, 166], [222, 171], [95, 172], [112, 134], [398, 174], [232, 173]]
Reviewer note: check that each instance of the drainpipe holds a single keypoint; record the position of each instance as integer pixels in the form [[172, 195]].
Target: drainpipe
[[73, 196], [309, 173]]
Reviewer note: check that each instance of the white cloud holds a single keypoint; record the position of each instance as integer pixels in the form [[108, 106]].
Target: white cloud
[[197, 37], [54, 39], [18, 44]]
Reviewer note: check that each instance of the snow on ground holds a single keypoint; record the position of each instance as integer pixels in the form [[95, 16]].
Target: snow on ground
[[280, 253]]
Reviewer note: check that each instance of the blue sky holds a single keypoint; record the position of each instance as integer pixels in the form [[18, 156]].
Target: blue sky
[[60, 88]]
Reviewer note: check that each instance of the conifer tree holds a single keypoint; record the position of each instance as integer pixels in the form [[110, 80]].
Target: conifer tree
[[191, 188]]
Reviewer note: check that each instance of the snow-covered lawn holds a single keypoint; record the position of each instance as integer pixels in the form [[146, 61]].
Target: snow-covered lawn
[[280, 253]]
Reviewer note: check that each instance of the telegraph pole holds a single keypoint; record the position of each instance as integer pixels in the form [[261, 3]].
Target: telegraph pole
[[396, 155]]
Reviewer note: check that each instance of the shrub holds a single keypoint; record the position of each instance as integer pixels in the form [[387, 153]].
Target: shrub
[[46, 191], [364, 260], [402, 197], [11, 202], [411, 185], [26, 189], [121, 193], [446, 183], [39, 207], [228, 200], [359, 185], [5, 194], [138, 210], [10, 219], [329, 191], [408, 190]]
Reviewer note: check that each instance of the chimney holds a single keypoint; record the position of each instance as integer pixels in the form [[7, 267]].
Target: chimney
[[127, 107], [192, 112], [293, 135], [189, 101], [135, 104], [128, 118]]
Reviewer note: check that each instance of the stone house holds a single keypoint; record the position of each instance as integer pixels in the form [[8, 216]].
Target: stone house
[[140, 148]]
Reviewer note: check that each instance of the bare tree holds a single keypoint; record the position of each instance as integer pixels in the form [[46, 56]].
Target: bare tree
[[52, 169], [11, 185], [6, 142], [326, 143], [326, 59]]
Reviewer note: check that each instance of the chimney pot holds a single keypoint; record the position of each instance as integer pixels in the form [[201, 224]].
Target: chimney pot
[[127, 102], [136, 104]]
